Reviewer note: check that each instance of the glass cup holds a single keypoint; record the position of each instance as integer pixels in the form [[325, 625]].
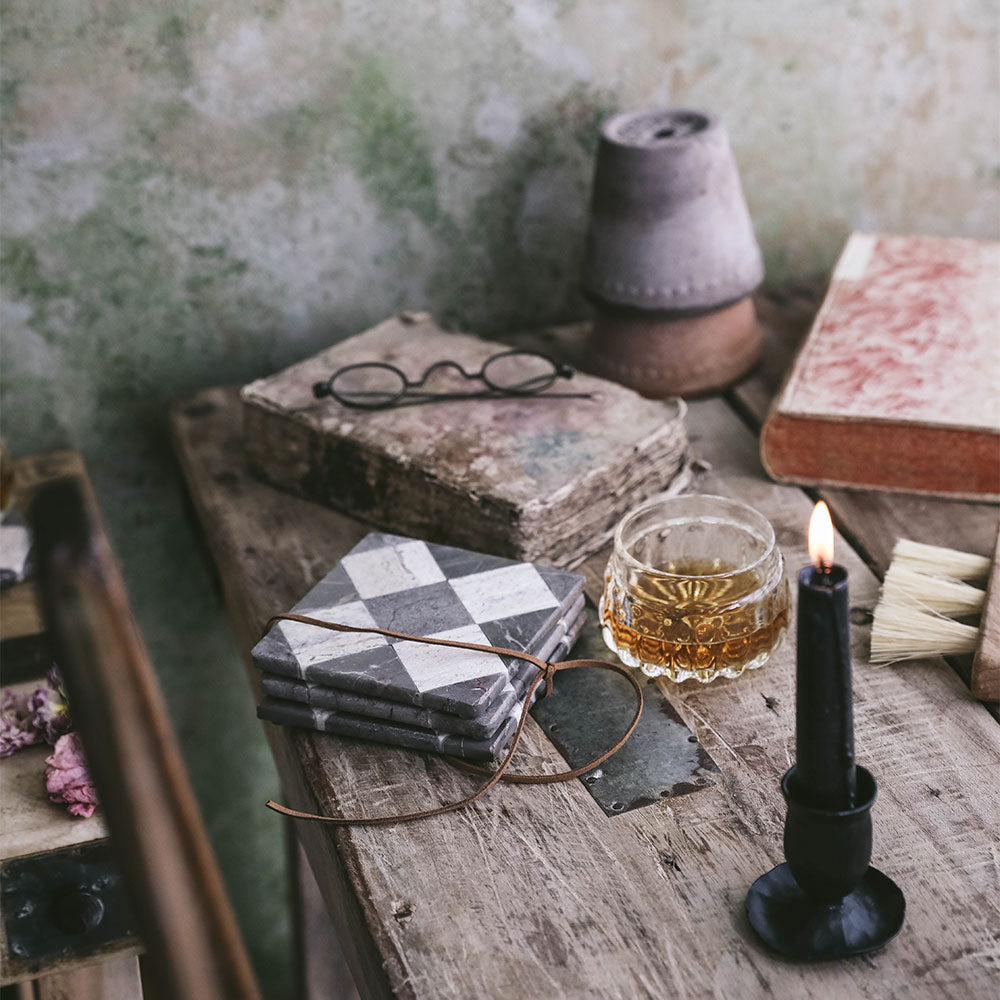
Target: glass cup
[[695, 588]]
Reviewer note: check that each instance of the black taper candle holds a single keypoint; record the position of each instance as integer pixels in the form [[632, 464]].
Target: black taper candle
[[824, 714]]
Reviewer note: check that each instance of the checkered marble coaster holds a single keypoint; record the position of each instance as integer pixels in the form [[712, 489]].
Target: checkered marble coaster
[[481, 727], [406, 585], [491, 748]]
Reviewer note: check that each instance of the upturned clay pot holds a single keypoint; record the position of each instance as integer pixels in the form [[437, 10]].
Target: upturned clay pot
[[669, 228], [660, 354]]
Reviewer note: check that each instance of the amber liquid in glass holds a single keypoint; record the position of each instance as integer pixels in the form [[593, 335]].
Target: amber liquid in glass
[[688, 624]]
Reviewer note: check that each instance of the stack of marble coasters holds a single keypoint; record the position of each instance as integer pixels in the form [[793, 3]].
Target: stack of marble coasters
[[453, 701]]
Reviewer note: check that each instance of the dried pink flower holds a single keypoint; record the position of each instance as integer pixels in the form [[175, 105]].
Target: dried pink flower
[[17, 722], [51, 713], [26, 719], [66, 777]]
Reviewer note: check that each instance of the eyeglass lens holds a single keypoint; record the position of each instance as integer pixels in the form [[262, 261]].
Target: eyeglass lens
[[519, 372], [368, 386]]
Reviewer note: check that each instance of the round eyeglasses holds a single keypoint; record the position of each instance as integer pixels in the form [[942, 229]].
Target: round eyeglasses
[[375, 385]]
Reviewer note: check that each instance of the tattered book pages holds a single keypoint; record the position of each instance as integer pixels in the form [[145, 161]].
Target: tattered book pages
[[535, 478]]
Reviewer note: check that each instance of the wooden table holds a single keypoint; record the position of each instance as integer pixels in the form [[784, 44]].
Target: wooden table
[[535, 891]]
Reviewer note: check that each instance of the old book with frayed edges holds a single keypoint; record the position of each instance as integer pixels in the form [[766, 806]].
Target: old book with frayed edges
[[897, 386], [538, 478]]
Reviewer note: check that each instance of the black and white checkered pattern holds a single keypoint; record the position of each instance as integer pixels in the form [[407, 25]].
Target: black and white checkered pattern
[[484, 726], [392, 731], [406, 585]]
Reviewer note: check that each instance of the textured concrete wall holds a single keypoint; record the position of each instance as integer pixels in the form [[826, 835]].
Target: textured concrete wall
[[195, 186], [197, 191]]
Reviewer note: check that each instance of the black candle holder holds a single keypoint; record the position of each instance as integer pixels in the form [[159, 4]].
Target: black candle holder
[[826, 902]]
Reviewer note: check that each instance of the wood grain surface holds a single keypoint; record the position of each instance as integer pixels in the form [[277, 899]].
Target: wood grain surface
[[115, 979], [534, 891], [985, 677]]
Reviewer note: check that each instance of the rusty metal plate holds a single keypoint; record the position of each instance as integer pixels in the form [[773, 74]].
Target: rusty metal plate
[[586, 713]]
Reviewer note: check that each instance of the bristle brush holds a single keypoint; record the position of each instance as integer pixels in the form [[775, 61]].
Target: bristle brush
[[924, 586]]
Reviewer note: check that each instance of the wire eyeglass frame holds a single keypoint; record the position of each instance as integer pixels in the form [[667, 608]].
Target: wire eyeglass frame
[[411, 393]]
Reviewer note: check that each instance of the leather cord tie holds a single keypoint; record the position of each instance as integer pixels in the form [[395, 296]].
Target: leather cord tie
[[547, 672]]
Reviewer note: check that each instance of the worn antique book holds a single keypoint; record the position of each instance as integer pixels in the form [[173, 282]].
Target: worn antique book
[[542, 477], [897, 386]]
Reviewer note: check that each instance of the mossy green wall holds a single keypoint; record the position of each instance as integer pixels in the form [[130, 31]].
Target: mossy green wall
[[199, 191]]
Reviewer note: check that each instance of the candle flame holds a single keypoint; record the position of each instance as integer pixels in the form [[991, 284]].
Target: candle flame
[[821, 537]]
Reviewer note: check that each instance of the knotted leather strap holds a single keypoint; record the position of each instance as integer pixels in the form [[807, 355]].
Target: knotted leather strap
[[546, 673]]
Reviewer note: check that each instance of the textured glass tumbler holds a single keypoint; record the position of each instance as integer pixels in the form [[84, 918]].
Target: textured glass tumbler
[[695, 588]]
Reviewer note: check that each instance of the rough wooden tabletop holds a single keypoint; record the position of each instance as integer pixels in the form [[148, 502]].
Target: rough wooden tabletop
[[534, 891]]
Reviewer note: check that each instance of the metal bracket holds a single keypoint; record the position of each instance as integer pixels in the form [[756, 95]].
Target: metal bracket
[[63, 904]]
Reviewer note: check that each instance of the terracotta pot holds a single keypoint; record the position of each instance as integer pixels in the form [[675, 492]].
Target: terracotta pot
[[669, 228], [660, 355]]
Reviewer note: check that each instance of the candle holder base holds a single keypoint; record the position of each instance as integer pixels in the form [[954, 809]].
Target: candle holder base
[[799, 926]]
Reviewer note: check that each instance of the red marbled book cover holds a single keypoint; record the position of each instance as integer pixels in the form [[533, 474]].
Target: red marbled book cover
[[898, 383]]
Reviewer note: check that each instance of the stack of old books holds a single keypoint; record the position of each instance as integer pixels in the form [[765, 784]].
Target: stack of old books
[[454, 701]]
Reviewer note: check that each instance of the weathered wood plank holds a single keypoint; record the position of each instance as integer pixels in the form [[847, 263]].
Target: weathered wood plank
[[534, 891], [207, 434], [114, 979], [320, 964], [176, 891]]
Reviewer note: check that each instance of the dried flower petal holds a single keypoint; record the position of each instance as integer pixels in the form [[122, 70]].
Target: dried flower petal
[[51, 713], [17, 727], [66, 777], [26, 719]]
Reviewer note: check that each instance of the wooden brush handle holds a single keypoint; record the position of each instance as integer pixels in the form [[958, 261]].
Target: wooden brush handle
[[985, 680]]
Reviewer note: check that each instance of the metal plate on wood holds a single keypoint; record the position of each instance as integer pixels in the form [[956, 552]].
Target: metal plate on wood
[[588, 711], [63, 904]]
